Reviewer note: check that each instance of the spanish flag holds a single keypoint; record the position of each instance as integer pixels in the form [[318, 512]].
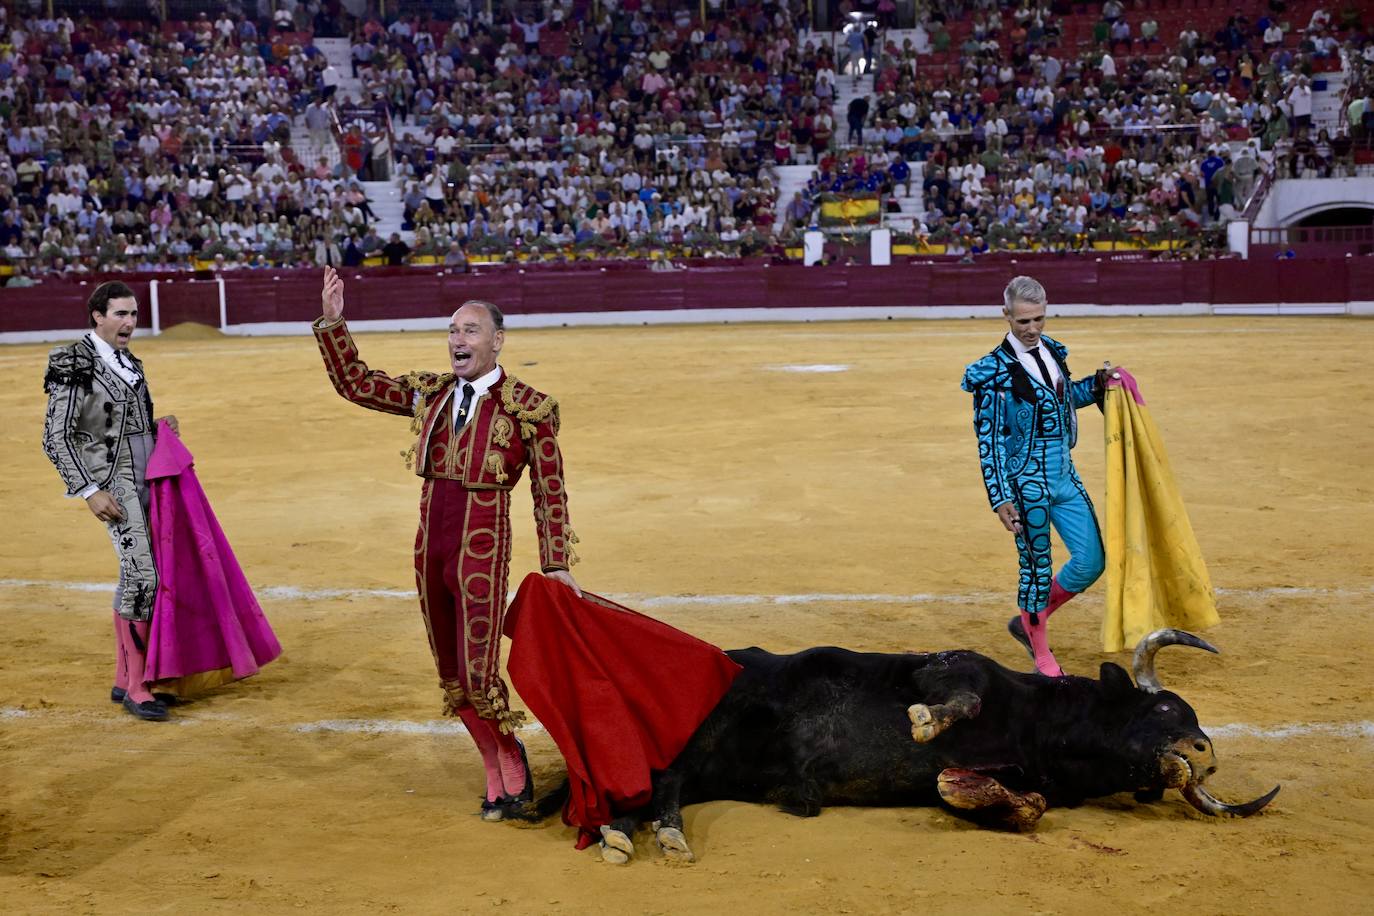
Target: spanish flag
[[851, 210], [1156, 576]]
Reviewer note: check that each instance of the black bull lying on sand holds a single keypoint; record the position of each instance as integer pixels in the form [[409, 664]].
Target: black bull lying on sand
[[832, 727]]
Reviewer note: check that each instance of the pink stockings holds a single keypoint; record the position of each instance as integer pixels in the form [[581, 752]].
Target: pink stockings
[[500, 755], [132, 641], [121, 679], [1045, 661]]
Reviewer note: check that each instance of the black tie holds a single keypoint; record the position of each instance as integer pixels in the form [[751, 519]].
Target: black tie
[[125, 363], [463, 406], [1044, 370]]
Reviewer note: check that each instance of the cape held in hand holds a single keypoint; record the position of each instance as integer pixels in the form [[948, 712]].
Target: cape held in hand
[[1156, 577], [208, 628], [620, 693]]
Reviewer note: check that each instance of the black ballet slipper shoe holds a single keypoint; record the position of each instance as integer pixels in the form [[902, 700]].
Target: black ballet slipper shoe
[[521, 807], [494, 810], [166, 699], [148, 710], [1018, 633]]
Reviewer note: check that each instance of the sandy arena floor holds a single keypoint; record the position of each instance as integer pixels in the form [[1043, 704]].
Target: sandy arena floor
[[710, 485]]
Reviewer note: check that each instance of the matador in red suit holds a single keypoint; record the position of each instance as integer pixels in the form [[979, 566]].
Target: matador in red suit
[[476, 430]]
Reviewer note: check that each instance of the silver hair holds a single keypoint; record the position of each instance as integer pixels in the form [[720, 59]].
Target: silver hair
[[1023, 289]]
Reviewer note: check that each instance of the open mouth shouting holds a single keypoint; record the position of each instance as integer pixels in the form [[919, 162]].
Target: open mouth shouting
[[462, 360]]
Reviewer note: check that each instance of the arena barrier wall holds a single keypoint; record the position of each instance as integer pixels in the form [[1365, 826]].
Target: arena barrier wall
[[285, 301]]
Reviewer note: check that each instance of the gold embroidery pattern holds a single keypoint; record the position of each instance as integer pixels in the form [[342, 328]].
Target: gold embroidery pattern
[[541, 411], [421, 563], [425, 384]]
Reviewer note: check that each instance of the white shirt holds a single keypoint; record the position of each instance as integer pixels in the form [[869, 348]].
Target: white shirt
[[1028, 361], [480, 386], [107, 353]]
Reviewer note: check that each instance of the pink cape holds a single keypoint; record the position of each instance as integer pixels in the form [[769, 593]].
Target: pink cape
[[207, 626]]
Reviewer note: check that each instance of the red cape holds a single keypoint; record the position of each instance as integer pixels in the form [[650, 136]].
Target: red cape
[[620, 693]]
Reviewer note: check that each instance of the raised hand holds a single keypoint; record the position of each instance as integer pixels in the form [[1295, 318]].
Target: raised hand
[[331, 297]]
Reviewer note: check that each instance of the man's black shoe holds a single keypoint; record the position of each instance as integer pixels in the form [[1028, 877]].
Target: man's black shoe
[[166, 699], [148, 710], [1018, 633]]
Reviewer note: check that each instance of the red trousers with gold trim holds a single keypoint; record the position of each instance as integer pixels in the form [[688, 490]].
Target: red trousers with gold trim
[[462, 560]]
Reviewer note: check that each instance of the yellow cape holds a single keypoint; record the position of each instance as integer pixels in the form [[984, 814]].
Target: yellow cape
[[1156, 576]]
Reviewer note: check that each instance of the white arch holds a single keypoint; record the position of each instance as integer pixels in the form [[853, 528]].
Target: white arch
[[1295, 199], [1293, 219]]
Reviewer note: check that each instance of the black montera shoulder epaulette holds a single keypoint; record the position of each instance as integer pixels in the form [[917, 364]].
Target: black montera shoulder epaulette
[[69, 369]]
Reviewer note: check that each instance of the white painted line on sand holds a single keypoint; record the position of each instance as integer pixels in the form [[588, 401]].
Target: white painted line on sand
[[819, 368], [395, 727], [1350, 730], [293, 593], [1298, 730]]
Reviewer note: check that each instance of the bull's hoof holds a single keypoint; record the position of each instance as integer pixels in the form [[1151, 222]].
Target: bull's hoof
[[1025, 812], [674, 845], [616, 847], [923, 725]]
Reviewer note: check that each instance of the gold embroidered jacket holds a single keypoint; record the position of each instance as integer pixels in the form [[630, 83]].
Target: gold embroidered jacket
[[512, 426]]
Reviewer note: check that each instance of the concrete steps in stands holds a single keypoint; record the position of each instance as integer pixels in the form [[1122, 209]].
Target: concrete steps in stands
[[307, 151], [335, 51], [913, 205], [790, 180], [338, 53], [385, 199], [847, 88], [1327, 90], [793, 178]]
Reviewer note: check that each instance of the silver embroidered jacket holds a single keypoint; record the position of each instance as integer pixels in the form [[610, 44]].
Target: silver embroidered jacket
[[90, 412]]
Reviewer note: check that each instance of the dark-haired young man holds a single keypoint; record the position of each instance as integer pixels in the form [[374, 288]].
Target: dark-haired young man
[[99, 433], [476, 429]]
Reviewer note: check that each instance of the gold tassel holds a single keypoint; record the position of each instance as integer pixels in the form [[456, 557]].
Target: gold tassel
[[571, 538], [495, 464]]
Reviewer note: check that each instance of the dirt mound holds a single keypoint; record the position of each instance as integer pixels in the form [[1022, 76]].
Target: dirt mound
[[191, 330]]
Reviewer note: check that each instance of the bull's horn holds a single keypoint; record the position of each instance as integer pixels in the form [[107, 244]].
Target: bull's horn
[[1202, 800], [1143, 667]]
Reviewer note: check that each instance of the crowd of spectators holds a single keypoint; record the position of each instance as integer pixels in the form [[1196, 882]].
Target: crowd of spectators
[[557, 128], [133, 146], [1030, 140], [632, 129]]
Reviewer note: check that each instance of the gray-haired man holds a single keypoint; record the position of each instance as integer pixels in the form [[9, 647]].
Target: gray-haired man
[[1025, 416]]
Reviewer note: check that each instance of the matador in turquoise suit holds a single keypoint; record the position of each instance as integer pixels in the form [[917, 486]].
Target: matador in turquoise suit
[[1025, 407]]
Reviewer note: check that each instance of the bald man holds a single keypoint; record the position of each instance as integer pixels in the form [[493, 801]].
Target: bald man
[[476, 428]]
